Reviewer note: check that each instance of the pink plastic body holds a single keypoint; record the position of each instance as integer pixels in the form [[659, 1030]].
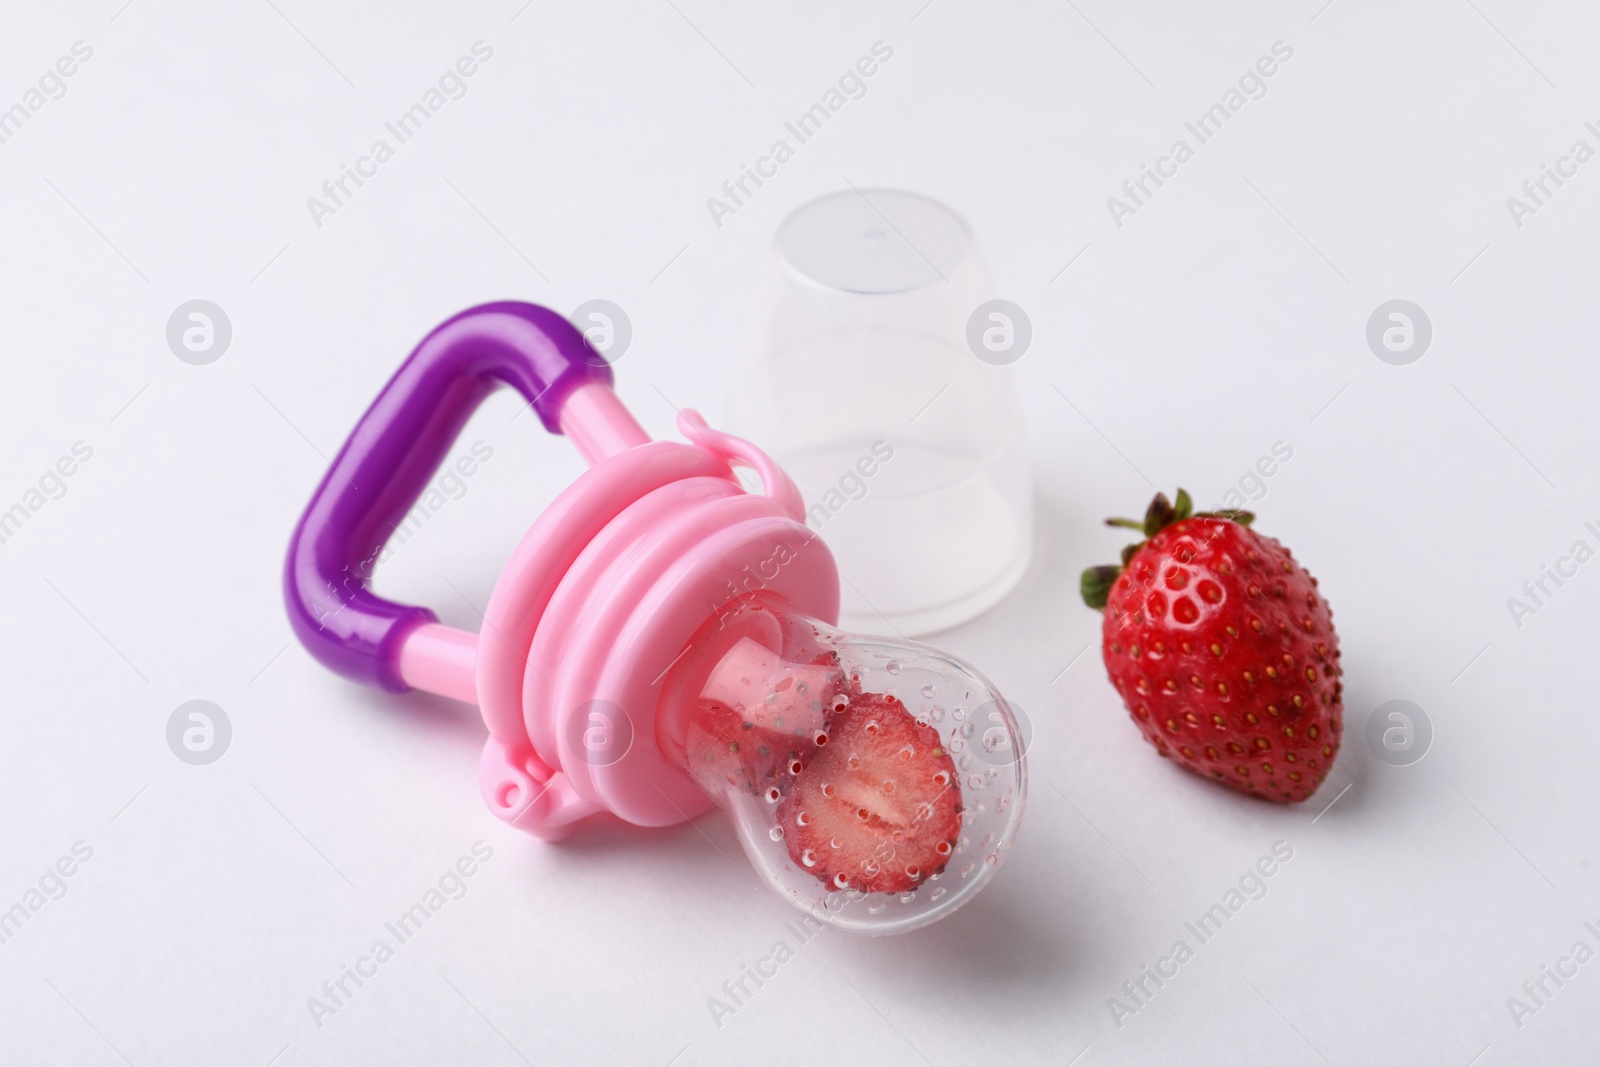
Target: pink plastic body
[[599, 600]]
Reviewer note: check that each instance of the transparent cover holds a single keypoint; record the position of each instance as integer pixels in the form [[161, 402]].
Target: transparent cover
[[865, 385], [874, 784]]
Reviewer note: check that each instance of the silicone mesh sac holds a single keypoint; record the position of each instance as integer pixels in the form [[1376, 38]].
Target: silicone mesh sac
[[926, 807]]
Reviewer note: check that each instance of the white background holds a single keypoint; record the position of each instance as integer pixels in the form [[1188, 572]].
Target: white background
[[1227, 315]]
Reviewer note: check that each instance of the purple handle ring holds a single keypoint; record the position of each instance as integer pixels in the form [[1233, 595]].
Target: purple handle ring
[[385, 465]]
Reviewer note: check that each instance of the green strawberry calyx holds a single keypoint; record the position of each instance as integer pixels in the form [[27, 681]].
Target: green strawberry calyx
[[1095, 582]]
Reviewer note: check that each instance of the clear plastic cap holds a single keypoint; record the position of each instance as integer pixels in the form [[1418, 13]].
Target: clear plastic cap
[[875, 785], [881, 384]]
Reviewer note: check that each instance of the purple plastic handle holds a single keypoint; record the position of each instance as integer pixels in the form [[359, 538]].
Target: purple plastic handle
[[393, 451]]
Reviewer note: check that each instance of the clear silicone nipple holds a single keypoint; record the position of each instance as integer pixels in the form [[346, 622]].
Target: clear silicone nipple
[[875, 784]]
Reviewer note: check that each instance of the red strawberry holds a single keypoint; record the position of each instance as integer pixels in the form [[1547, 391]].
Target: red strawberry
[[753, 743], [1223, 650], [877, 808], [721, 743]]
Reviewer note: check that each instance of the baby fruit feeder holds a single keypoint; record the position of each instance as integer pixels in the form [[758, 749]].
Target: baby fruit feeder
[[661, 641]]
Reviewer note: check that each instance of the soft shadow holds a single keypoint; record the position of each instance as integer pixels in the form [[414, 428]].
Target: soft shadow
[[1355, 766], [1001, 940], [430, 715], [603, 834]]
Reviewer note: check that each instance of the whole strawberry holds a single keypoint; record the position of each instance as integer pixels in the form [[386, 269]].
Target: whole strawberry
[[1223, 650]]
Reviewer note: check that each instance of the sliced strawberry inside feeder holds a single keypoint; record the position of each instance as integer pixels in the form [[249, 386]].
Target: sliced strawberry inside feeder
[[771, 693], [721, 744], [877, 808], [847, 801]]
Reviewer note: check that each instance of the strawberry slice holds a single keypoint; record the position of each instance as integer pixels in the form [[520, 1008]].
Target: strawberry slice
[[736, 735], [877, 808], [722, 745]]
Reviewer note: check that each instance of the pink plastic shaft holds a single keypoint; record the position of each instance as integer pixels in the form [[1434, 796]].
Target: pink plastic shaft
[[598, 424], [442, 660]]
